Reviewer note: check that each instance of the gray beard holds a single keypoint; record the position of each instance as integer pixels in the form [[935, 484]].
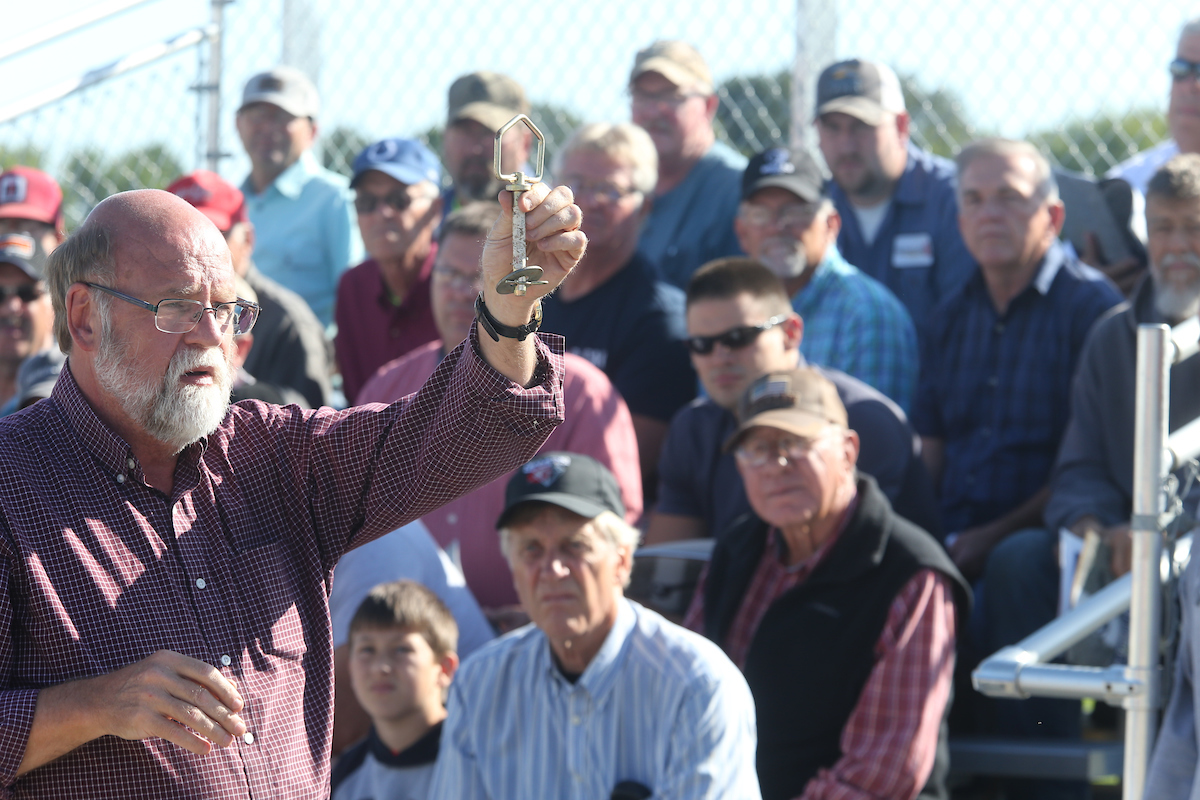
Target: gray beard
[[1177, 304], [786, 262], [173, 414]]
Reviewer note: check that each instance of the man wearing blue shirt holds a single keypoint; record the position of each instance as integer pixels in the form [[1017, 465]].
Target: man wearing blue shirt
[[303, 214], [696, 198], [599, 697], [852, 323], [899, 216]]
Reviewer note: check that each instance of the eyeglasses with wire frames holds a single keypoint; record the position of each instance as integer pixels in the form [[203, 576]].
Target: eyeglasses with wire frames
[[177, 315], [734, 338], [671, 98], [757, 453]]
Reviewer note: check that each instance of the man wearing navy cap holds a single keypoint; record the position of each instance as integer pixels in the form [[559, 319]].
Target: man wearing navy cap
[[383, 306], [852, 322], [26, 317]]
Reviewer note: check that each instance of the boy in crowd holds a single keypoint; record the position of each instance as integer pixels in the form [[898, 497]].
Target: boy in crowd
[[402, 657]]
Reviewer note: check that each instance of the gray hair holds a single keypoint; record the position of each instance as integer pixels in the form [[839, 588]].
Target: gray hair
[[1047, 187], [616, 531], [1178, 179], [86, 255], [620, 141]]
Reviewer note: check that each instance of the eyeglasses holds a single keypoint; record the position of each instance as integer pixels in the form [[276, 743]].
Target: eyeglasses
[[27, 292], [397, 200], [175, 315], [457, 280], [792, 216], [734, 338], [608, 192], [1182, 69], [670, 99], [790, 449]]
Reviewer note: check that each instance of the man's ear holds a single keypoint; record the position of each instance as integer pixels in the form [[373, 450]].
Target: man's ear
[[710, 106], [82, 321]]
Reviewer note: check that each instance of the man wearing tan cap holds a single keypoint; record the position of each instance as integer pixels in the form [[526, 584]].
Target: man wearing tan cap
[[825, 566], [699, 179], [306, 235], [480, 104]]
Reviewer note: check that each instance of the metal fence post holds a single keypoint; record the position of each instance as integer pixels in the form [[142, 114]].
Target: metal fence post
[[816, 35], [1149, 471], [213, 136]]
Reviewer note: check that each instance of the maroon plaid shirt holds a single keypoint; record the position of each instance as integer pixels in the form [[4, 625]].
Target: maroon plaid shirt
[[98, 571]]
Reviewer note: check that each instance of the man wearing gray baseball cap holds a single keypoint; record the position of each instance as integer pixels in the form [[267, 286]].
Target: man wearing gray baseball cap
[[303, 214]]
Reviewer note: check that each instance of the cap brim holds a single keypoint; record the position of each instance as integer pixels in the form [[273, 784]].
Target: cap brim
[[573, 503], [27, 211], [676, 74], [789, 182], [222, 220], [785, 419], [24, 266], [489, 115], [861, 108], [277, 99], [406, 175]]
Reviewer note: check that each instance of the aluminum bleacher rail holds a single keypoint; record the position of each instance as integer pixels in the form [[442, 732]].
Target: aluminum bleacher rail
[[1021, 671]]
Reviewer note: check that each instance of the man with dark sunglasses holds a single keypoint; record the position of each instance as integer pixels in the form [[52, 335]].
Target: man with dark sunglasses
[[26, 317], [383, 306], [1183, 113], [741, 326]]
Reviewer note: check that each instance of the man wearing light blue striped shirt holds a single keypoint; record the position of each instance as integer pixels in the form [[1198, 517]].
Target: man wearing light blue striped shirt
[[599, 697]]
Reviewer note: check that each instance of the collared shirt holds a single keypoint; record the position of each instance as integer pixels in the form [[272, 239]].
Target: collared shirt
[[918, 252], [98, 570], [305, 231], [372, 328], [1139, 169], [995, 386], [854, 324], [890, 738], [658, 705], [693, 223], [597, 424]]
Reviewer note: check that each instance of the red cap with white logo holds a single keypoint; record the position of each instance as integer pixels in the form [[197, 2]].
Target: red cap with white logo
[[28, 193]]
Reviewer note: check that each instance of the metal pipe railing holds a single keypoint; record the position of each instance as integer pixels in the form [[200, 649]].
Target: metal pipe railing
[[212, 156], [147, 55], [1185, 340], [15, 45]]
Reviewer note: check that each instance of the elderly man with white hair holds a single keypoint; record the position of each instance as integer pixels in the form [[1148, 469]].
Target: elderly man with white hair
[[598, 697]]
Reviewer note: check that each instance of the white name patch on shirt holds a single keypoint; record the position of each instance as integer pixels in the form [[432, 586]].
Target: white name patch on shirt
[[912, 250]]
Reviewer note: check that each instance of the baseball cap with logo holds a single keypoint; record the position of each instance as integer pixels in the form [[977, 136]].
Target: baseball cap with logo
[[576, 482], [796, 172], [286, 87], [865, 90], [215, 197], [676, 61], [28, 193], [800, 401], [489, 98], [406, 160], [24, 252]]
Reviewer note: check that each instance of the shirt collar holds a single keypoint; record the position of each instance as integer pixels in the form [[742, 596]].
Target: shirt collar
[[833, 263], [292, 180], [1052, 262], [601, 673]]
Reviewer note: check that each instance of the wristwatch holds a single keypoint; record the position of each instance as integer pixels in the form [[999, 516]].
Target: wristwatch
[[496, 329]]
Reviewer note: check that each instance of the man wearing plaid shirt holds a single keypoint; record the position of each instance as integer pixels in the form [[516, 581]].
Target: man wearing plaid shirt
[[165, 558], [824, 566]]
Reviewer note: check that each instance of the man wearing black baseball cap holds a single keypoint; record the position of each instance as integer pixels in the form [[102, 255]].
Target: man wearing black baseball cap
[[26, 316], [584, 701], [852, 322], [899, 213]]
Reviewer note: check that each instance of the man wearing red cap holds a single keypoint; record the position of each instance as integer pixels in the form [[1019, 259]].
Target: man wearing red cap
[[32, 202], [289, 342]]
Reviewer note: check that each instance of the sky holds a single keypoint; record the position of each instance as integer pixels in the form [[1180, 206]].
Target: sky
[[383, 66]]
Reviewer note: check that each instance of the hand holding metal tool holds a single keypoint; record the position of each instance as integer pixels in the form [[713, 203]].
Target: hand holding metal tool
[[522, 276]]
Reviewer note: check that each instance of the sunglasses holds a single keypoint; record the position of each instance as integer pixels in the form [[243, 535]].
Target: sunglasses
[[1182, 69], [734, 338], [27, 292], [398, 200]]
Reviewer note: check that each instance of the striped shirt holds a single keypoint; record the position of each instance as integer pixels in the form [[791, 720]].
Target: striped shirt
[[658, 705], [98, 570], [854, 324]]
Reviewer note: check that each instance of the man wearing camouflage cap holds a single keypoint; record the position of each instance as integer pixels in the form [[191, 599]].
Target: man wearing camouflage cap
[[303, 216], [479, 104], [672, 96]]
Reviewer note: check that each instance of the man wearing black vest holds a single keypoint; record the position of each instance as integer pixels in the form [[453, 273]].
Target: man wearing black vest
[[840, 613]]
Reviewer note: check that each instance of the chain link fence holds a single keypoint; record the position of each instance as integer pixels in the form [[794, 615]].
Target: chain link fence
[[1086, 81]]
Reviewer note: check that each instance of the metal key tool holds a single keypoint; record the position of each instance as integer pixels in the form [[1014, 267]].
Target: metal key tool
[[522, 276]]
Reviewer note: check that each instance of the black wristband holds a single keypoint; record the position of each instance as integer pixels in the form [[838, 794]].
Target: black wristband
[[496, 329]]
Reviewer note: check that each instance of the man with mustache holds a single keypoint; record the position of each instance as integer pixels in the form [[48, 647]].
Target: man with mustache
[[690, 222], [26, 316], [899, 217], [479, 104], [165, 558]]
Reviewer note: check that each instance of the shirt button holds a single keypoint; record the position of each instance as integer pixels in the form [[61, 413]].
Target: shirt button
[[395, 333], [248, 737], [994, 381], [452, 518], [999, 327], [131, 463], [576, 720], [226, 660], [120, 479], [985, 432], [201, 583]]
